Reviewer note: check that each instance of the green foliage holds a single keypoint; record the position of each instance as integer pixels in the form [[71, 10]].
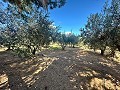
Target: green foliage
[[72, 39], [27, 4], [62, 39], [22, 52], [26, 35], [55, 47], [103, 29], [67, 39], [9, 31]]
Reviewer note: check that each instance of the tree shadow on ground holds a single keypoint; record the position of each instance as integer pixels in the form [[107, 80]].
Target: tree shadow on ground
[[73, 69], [92, 71], [9, 76], [20, 74], [80, 70]]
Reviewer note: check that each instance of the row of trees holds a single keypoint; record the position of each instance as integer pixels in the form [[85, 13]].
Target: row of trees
[[103, 29], [68, 39], [25, 33]]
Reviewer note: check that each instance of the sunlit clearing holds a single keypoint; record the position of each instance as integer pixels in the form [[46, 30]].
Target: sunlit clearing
[[87, 73], [3, 49], [42, 66], [3, 80], [99, 84], [81, 53]]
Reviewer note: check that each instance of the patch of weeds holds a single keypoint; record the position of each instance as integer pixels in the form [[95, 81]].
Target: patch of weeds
[[55, 48], [22, 53]]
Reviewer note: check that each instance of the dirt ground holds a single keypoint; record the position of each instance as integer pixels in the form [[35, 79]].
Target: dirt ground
[[73, 69]]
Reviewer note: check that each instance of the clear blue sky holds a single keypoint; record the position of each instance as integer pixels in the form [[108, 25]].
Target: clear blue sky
[[74, 14]]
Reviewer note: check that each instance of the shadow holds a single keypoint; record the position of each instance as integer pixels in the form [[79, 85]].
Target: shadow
[[79, 70], [73, 69], [20, 74], [94, 72], [10, 77]]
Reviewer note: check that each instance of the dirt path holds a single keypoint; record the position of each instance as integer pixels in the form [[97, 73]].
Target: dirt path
[[73, 69]]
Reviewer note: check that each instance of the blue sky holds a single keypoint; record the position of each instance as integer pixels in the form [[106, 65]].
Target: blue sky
[[74, 14]]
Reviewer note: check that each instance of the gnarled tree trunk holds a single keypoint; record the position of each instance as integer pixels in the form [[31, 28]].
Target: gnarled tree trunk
[[34, 51], [102, 50]]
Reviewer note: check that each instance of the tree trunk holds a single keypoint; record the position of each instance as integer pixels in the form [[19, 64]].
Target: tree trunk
[[118, 46], [63, 47], [8, 47], [73, 46], [94, 49], [102, 52], [34, 51]]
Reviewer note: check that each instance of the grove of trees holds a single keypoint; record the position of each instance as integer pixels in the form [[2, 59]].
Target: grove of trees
[[31, 29], [67, 39], [25, 33], [103, 29]]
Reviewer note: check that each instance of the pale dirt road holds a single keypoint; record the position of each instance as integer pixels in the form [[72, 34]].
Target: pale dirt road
[[73, 69]]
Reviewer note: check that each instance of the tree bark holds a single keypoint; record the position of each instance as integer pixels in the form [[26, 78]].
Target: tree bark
[[34, 51], [94, 49], [63, 47], [8, 47], [102, 52], [73, 46]]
